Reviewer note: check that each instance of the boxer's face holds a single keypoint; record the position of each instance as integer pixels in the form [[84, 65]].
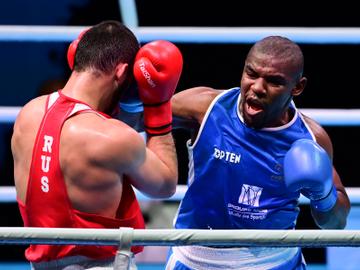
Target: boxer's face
[[266, 91]]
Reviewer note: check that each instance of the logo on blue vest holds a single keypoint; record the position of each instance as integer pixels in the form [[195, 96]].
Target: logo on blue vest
[[226, 155], [250, 195]]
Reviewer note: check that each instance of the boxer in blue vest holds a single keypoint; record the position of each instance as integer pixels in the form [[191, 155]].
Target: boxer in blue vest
[[251, 155]]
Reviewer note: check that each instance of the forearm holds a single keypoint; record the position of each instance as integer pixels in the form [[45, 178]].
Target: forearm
[[336, 217], [158, 176], [164, 148]]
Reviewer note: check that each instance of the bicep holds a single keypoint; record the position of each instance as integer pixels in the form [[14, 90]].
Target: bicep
[[192, 104], [117, 147]]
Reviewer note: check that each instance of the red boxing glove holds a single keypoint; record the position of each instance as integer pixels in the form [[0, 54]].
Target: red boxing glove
[[157, 70], [72, 49]]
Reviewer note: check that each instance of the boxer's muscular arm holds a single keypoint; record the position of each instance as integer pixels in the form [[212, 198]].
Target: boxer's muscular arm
[[157, 175], [152, 168], [189, 106], [336, 217], [157, 70], [110, 149]]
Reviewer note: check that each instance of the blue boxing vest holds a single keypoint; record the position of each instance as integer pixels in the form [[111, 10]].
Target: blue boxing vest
[[236, 172]]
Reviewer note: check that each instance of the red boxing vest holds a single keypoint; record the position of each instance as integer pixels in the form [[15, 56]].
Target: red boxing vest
[[47, 202]]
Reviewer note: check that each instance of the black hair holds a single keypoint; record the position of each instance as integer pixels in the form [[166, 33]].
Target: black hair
[[104, 46], [281, 48]]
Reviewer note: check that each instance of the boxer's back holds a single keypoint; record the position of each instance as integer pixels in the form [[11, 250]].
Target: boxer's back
[[91, 187], [22, 142]]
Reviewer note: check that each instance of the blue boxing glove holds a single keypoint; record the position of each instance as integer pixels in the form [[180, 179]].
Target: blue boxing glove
[[308, 169], [130, 100], [130, 108]]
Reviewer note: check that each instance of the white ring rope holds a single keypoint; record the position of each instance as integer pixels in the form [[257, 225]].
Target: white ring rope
[[328, 117], [181, 237], [8, 195], [8, 114], [311, 35]]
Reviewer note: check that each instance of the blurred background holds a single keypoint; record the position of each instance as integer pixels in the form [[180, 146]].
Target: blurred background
[[30, 68]]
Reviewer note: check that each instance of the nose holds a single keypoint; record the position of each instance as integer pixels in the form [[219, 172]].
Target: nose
[[259, 87]]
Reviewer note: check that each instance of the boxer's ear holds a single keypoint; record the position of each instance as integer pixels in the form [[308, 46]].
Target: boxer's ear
[[299, 87]]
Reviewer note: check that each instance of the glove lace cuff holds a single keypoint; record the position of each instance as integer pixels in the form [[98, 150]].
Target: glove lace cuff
[[325, 204]]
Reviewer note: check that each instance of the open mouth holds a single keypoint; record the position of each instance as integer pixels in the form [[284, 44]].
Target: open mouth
[[253, 107]]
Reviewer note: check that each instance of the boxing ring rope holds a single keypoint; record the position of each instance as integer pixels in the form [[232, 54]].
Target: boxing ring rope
[[313, 35], [180, 237], [326, 117], [8, 195]]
